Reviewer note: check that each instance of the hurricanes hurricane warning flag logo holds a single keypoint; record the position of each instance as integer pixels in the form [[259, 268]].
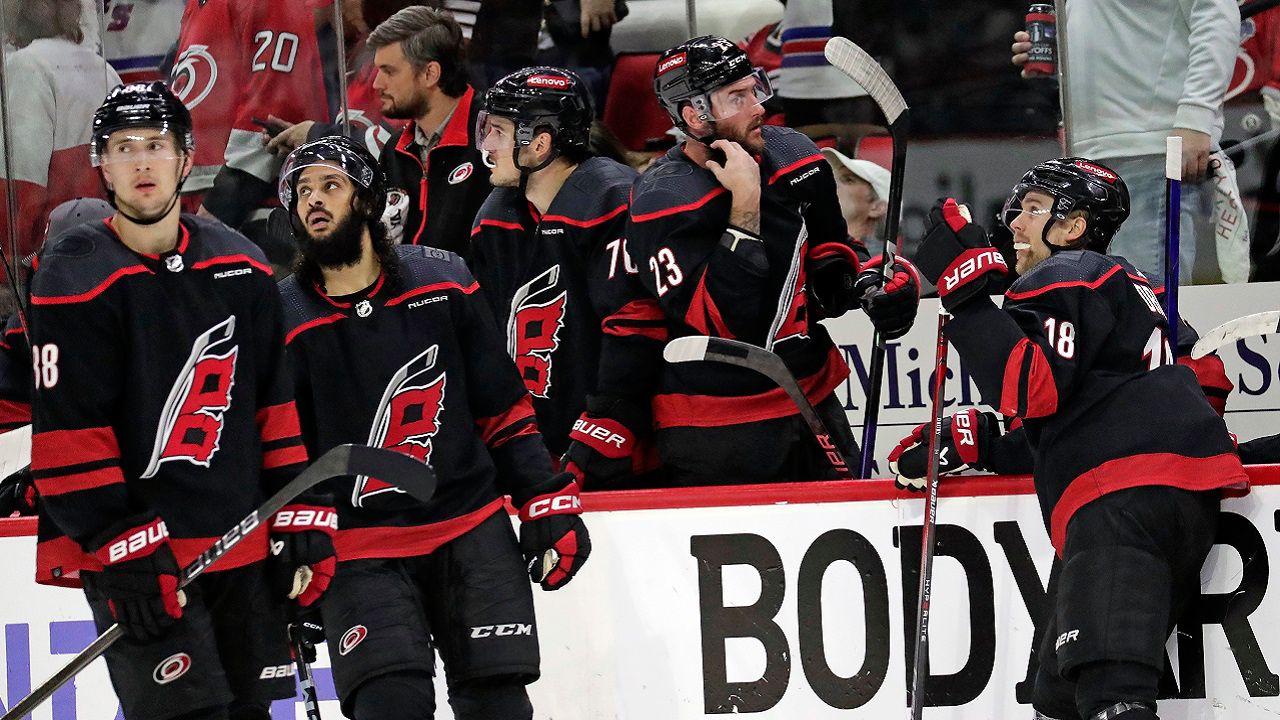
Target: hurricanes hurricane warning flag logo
[[191, 424], [408, 416], [533, 329]]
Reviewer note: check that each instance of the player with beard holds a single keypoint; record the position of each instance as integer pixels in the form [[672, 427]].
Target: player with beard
[[738, 234], [549, 250], [394, 346], [1129, 457], [434, 170], [163, 414]]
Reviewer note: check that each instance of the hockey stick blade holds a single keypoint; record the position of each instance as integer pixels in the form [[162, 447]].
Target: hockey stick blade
[[414, 476], [1263, 323], [853, 61], [735, 352]]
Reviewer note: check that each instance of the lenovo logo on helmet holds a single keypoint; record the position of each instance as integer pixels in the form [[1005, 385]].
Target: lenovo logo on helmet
[[1101, 172], [559, 82], [673, 62]]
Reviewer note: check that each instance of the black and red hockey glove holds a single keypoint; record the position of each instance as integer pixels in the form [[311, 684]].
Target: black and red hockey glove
[[966, 442], [1212, 376], [890, 303], [553, 537], [957, 256], [602, 443], [832, 272], [139, 577], [18, 494], [303, 558]]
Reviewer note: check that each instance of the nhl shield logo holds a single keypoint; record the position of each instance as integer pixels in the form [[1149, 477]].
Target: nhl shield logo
[[173, 263], [460, 173], [364, 308]]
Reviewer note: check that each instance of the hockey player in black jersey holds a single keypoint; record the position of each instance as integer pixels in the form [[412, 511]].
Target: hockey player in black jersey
[[548, 249], [163, 414], [394, 346], [738, 233], [1129, 457]]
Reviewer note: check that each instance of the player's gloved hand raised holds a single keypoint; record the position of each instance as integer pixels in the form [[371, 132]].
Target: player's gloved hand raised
[[303, 558], [890, 303], [957, 256], [602, 443], [966, 442], [139, 577], [553, 537]]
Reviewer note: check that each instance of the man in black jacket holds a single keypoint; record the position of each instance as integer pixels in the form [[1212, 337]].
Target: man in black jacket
[[435, 175]]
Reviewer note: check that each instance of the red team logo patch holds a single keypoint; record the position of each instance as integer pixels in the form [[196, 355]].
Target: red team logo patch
[[171, 668], [460, 173], [533, 329], [408, 416], [351, 638], [192, 421]]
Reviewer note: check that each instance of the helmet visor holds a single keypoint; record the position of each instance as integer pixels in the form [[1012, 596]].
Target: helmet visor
[[494, 133], [1013, 209], [135, 145], [741, 95], [346, 161]]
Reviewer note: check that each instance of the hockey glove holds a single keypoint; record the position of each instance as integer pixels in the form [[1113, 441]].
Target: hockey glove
[[602, 443], [139, 577], [553, 538], [306, 630], [302, 549], [891, 304], [18, 494], [1212, 376], [832, 270], [966, 442], [957, 257]]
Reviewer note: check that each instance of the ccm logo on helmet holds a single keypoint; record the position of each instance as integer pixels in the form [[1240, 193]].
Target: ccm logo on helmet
[[171, 668], [557, 504], [967, 269], [460, 173], [599, 432], [351, 638], [559, 82], [673, 62], [1103, 173]]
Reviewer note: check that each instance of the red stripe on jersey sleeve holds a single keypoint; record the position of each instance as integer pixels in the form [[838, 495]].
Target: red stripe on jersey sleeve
[[229, 259], [283, 457], [88, 294], [797, 164], [498, 224], [435, 287], [1092, 285], [589, 221], [492, 428], [311, 324], [278, 422], [637, 317], [64, 448], [75, 482], [14, 413], [1042, 391], [645, 217], [703, 308]]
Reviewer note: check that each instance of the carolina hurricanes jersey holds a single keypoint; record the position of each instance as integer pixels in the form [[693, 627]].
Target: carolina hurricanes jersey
[[415, 364], [679, 212], [567, 296], [239, 60], [1259, 54], [160, 385], [1080, 354]]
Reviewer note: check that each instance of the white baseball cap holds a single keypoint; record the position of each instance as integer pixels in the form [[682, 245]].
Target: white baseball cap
[[876, 176]]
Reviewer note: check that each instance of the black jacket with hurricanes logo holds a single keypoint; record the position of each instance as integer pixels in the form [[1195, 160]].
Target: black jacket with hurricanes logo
[[679, 212], [1080, 353], [161, 386], [567, 295], [433, 203], [416, 364]]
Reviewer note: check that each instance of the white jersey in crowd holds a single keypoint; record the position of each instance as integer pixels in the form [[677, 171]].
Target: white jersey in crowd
[[805, 73]]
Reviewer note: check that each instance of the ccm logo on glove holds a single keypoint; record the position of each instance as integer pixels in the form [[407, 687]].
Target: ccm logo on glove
[[971, 263], [143, 538], [554, 505], [310, 518]]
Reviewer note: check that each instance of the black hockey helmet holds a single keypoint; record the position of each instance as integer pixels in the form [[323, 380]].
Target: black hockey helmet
[[344, 154], [140, 105], [541, 97], [1076, 183], [689, 72]]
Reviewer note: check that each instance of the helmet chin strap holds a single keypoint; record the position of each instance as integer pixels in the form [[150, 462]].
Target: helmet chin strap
[[177, 192], [526, 171]]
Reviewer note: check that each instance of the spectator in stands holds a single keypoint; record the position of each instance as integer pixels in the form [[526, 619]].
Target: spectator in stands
[[1136, 76], [576, 36], [812, 92], [863, 189], [55, 85], [436, 176]]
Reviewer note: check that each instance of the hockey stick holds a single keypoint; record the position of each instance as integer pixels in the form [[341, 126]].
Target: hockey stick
[[734, 352], [415, 477], [1263, 323], [310, 701], [1172, 231], [920, 668], [853, 61]]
